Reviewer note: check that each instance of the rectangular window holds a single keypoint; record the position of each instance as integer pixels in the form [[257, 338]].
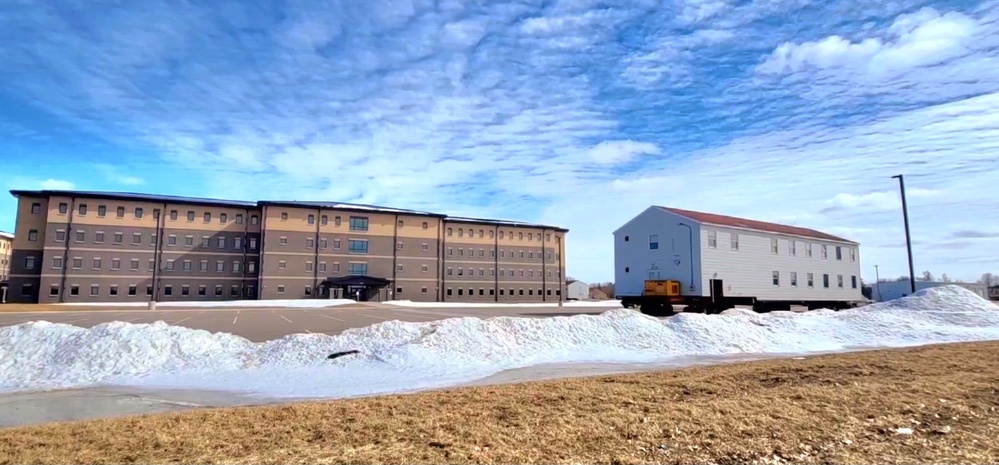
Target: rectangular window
[[218, 290], [187, 265], [653, 242], [398, 246], [33, 235], [171, 240], [36, 208], [251, 267], [115, 263], [808, 249], [853, 282], [223, 219], [134, 264], [254, 219], [310, 242], [825, 281], [324, 220], [77, 263], [202, 289], [237, 243], [136, 238], [311, 219], [839, 253], [308, 290], [190, 215], [773, 245], [219, 266], [120, 212], [237, 266], [208, 217], [239, 218], [54, 290], [735, 241], [60, 235], [336, 267], [138, 212], [173, 215], [283, 240], [322, 267], [308, 266], [96, 264], [152, 239], [57, 263], [95, 290], [357, 246], [358, 223], [776, 278], [282, 264], [149, 289], [253, 243], [234, 290], [853, 254], [63, 208], [825, 252], [280, 288], [713, 239], [794, 279], [82, 209], [132, 290], [206, 241], [113, 290], [792, 249], [81, 236], [203, 266], [119, 238], [839, 281], [169, 265], [336, 221], [284, 216], [357, 268]]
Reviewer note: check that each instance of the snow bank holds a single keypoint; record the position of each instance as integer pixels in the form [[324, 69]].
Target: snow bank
[[288, 303], [574, 303], [399, 356]]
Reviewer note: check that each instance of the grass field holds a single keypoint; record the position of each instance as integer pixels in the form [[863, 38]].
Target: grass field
[[851, 408]]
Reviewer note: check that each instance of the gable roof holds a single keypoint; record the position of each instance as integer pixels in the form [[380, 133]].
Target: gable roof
[[735, 222]]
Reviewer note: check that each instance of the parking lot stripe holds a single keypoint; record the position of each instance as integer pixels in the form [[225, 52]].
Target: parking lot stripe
[[180, 321], [234, 319], [331, 317], [285, 319]]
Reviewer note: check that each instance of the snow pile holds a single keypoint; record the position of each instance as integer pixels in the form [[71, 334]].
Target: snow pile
[[399, 356], [571, 304], [276, 303]]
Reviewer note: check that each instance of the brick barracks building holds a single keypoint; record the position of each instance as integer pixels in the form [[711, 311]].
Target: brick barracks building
[[74, 246]]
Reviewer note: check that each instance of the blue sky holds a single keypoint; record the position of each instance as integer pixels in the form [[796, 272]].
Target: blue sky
[[576, 113]]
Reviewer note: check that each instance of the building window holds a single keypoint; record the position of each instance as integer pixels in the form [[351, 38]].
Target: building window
[[811, 280], [54, 290], [219, 266], [839, 281], [735, 241], [239, 218], [282, 264], [202, 289], [138, 212], [280, 288], [357, 246], [398, 246], [358, 223], [33, 235], [220, 242], [223, 218], [120, 212], [357, 268], [36, 208], [63, 208], [423, 290], [77, 263], [190, 215], [308, 290], [119, 238], [283, 240], [95, 290], [853, 254], [173, 215], [169, 265], [336, 221], [308, 266], [336, 267], [96, 264], [208, 217], [253, 243], [794, 279], [152, 239], [113, 290], [206, 241], [254, 219], [792, 248], [853, 282], [57, 263], [136, 238], [82, 209], [218, 290], [310, 242], [187, 265], [773, 245], [60, 235], [398, 267], [653, 242], [27, 290], [825, 252], [99, 237], [324, 220], [237, 266], [323, 243], [825, 281], [132, 289], [839, 253], [322, 267], [237, 242], [311, 219], [808, 249], [713, 239], [426, 225], [251, 267], [134, 264], [171, 240], [81, 236], [234, 290]]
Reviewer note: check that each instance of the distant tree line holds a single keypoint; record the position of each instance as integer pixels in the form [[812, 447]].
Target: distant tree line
[[989, 279]]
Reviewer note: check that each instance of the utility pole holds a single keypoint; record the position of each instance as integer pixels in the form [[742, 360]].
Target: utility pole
[[908, 238], [877, 277]]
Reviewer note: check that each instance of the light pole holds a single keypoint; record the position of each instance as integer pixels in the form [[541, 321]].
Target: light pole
[[877, 282], [691, 259], [908, 239]]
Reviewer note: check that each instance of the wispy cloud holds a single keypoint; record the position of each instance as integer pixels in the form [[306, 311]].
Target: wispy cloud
[[552, 112], [56, 184]]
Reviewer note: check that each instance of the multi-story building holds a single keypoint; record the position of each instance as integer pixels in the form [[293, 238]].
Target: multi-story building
[[99, 246], [6, 247]]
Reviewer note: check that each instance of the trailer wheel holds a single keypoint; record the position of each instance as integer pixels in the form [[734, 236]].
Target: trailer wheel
[[658, 309]]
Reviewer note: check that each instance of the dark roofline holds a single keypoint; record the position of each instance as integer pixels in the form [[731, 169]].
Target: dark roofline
[[513, 224], [135, 197], [345, 206]]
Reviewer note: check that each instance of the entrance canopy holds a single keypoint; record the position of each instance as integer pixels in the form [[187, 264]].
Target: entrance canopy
[[356, 280]]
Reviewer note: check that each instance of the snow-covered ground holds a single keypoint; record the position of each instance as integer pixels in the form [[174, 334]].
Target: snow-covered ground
[[571, 304], [398, 356], [289, 303]]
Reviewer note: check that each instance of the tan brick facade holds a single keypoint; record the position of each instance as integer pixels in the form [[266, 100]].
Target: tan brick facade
[[98, 247]]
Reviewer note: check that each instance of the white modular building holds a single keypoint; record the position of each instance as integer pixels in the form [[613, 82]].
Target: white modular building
[[709, 253]]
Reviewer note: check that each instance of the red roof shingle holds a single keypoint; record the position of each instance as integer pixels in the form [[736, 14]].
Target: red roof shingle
[[723, 220]]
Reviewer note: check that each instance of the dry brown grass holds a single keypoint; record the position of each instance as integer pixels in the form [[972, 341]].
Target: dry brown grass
[[836, 408]]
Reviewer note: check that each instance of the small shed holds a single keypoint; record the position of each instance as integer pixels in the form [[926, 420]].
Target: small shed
[[577, 290]]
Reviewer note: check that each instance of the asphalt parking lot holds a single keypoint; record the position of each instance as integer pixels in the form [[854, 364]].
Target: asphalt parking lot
[[261, 324]]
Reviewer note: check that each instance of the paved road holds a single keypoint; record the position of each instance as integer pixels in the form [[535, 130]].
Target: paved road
[[266, 324]]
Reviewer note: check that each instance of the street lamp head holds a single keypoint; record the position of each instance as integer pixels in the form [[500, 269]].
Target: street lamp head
[[897, 176]]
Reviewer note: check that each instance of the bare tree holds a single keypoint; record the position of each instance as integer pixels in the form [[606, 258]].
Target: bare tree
[[989, 279], [927, 276], [946, 278]]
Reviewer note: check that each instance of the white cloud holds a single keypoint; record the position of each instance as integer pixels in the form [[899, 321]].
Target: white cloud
[[114, 175], [919, 39], [56, 184], [621, 151]]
